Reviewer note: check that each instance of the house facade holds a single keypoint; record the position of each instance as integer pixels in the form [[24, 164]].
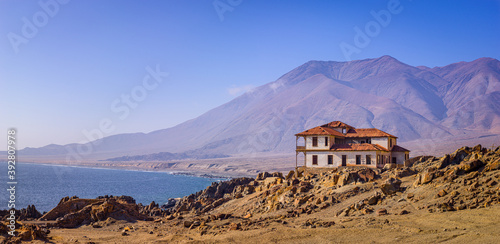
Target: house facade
[[338, 144]]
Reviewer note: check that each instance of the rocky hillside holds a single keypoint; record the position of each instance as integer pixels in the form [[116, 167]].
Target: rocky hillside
[[467, 179]]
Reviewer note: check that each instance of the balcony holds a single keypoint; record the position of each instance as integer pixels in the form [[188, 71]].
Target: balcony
[[300, 148]]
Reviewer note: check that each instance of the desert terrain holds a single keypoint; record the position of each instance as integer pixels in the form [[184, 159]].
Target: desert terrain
[[452, 199]]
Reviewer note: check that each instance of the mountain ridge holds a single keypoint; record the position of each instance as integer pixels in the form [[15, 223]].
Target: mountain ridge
[[414, 103]]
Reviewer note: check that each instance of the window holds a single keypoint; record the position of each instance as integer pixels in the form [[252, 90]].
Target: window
[[358, 159], [326, 141], [344, 130], [369, 141], [368, 159], [315, 141], [390, 143], [344, 160], [378, 159], [362, 141], [407, 156], [394, 160], [330, 159], [315, 159]]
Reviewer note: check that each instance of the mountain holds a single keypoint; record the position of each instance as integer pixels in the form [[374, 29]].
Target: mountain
[[429, 109]]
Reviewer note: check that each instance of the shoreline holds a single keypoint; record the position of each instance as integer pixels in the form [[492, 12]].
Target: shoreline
[[25, 204], [193, 173], [226, 168]]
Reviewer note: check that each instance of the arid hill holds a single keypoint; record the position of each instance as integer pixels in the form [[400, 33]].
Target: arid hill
[[431, 110]]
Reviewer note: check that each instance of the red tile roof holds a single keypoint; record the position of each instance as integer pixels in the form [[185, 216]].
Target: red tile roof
[[358, 147], [319, 130], [397, 148], [337, 124], [371, 132], [327, 129]]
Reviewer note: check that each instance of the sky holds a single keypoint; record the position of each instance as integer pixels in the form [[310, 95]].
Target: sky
[[73, 71]]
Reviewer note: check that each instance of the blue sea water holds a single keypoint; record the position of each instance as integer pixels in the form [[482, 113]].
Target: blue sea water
[[45, 185]]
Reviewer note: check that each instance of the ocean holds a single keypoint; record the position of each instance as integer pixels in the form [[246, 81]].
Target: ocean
[[44, 185]]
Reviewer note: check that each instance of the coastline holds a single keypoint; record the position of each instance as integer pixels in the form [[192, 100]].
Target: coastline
[[226, 168], [204, 175], [138, 169]]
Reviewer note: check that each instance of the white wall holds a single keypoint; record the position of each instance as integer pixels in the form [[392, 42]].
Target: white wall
[[322, 159], [382, 141], [400, 157], [321, 142], [337, 158]]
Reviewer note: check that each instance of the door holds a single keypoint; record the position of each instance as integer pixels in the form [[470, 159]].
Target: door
[[394, 160], [344, 160]]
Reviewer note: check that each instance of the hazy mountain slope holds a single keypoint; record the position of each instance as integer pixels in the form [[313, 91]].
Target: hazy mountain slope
[[471, 94], [414, 103]]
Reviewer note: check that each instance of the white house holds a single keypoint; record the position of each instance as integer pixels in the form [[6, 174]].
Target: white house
[[338, 144]]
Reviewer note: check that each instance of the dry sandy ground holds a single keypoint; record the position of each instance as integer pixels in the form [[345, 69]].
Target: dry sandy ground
[[466, 226]]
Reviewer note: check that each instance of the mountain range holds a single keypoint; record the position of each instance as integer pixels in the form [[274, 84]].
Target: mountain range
[[430, 110]]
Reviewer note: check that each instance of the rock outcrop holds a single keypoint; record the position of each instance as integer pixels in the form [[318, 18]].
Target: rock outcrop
[[214, 195], [73, 212], [468, 178]]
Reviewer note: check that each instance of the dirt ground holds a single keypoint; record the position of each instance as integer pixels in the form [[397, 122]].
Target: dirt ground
[[466, 226]]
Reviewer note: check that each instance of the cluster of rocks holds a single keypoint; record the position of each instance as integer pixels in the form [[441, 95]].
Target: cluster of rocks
[[73, 212], [213, 196], [297, 193], [29, 213], [466, 179], [24, 232]]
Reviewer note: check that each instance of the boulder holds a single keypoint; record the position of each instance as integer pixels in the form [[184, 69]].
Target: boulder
[[234, 226], [390, 166], [425, 177], [170, 203], [373, 199], [495, 165], [404, 172], [301, 200], [29, 213], [381, 211], [459, 155], [390, 186], [366, 174], [468, 166], [442, 193], [444, 161], [264, 175], [344, 179]]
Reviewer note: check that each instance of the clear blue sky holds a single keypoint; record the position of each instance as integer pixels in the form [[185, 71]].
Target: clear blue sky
[[62, 66]]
